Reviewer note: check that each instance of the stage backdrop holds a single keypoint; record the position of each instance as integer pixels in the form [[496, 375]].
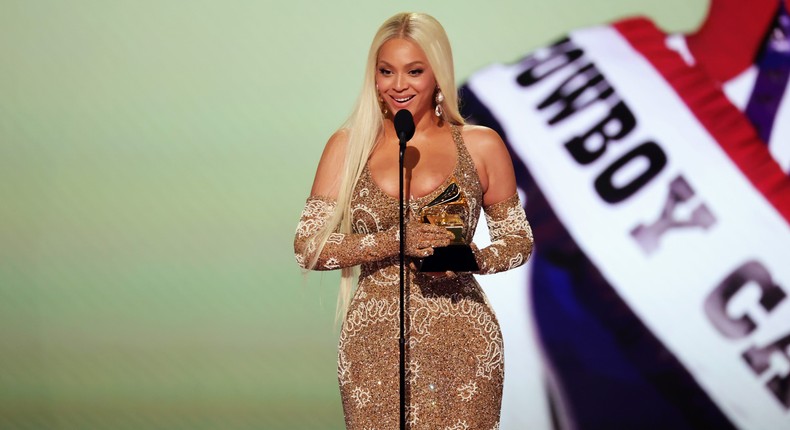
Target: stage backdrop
[[154, 159]]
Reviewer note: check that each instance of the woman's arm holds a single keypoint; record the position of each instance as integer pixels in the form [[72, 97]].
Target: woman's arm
[[340, 250], [511, 234]]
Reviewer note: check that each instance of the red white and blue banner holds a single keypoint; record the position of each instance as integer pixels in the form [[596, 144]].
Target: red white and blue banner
[[659, 285]]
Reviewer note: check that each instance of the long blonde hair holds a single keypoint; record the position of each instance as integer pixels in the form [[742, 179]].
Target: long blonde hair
[[365, 124]]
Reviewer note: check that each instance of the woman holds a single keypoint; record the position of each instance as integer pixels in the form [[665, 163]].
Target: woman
[[454, 344]]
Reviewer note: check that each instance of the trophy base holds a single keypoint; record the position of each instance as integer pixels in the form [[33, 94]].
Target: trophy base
[[457, 258]]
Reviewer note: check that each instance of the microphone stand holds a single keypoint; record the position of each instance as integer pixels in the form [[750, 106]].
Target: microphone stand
[[402, 339], [404, 128]]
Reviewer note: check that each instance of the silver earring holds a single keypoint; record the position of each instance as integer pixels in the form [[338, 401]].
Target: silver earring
[[439, 99]]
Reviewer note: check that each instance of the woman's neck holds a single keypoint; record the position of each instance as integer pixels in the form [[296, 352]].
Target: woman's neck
[[425, 123]]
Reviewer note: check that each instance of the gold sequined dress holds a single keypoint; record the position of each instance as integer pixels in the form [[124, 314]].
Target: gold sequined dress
[[454, 353]]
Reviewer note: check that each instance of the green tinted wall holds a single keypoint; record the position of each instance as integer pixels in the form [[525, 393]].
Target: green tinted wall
[[154, 158]]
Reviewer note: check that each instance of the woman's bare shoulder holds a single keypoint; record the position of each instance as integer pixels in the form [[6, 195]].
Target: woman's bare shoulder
[[337, 142], [328, 173], [493, 162], [480, 134], [483, 141]]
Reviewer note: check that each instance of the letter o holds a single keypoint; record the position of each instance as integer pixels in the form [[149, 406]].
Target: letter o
[[611, 193]]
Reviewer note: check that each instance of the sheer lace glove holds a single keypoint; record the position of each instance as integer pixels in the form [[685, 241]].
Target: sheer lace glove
[[422, 238], [346, 250], [511, 237]]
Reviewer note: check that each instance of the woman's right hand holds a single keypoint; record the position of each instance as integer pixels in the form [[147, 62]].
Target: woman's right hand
[[422, 238]]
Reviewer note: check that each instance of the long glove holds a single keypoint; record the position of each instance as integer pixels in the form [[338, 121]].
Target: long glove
[[511, 237], [346, 250]]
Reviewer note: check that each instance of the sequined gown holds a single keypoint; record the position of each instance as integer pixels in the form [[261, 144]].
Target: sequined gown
[[454, 353]]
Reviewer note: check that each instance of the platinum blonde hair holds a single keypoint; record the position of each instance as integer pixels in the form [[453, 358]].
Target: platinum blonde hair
[[366, 122]]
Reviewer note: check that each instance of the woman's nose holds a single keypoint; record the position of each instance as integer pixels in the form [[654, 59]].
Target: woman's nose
[[400, 82]]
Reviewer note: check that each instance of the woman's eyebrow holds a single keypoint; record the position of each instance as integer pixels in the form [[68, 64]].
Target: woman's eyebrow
[[413, 63]]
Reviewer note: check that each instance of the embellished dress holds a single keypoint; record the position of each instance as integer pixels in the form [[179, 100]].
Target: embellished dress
[[454, 351]]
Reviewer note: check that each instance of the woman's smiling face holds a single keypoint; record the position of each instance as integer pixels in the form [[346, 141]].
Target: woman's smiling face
[[404, 77]]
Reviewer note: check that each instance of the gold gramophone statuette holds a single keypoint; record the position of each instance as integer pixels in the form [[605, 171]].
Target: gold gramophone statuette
[[448, 210]]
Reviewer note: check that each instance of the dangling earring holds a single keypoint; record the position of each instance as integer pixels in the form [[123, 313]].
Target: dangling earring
[[382, 106], [439, 98]]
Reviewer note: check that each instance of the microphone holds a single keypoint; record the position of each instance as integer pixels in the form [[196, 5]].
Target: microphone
[[404, 126]]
